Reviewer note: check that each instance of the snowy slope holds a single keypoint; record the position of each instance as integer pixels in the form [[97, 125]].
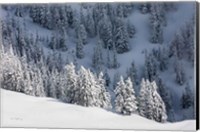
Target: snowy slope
[[19, 110], [138, 44]]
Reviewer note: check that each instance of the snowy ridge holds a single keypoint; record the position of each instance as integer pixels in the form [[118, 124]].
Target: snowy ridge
[[28, 111]]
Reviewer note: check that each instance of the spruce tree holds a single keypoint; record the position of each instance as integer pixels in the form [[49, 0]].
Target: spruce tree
[[104, 96], [125, 101], [121, 36], [79, 48], [71, 84]]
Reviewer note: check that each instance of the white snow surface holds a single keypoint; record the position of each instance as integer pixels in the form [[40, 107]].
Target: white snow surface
[[20, 110]]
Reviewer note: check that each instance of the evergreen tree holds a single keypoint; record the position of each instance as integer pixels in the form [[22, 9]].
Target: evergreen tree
[[156, 23], [79, 48], [104, 96], [142, 100], [63, 41], [90, 25], [37, 82], [151, 66], [97, 60], [87, 93], [125, 102], [71, 84], [151, 104], [104, 29], [159, 111], [82, 34], [121, 36]]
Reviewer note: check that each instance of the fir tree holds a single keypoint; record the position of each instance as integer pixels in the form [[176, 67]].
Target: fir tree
[[125, 102], [71, 84], [156, 21], [104, 96], [79, 48], [121, 36]]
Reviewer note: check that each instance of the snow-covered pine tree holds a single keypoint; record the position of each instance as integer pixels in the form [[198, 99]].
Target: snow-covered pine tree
[[89, 24], [159, 110], [71, 86], [130, 101], [41, 14], [82, 34], [149, 112], [63, 18], [104, 29], [38, 83], [79, 48], [121, 36], [104, 96], [63, 40], [28, 88], [177, 46], [52, 84], [98, 14], [97, 60], [125, 101], [163, 59], [150, 71], [151, 104], [156, 23], [87, 92], [119, 99]]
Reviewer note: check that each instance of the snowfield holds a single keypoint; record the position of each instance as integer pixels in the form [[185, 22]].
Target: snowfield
[[20, 110]]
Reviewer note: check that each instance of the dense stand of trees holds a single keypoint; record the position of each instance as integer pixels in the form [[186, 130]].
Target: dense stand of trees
[[27, 68]]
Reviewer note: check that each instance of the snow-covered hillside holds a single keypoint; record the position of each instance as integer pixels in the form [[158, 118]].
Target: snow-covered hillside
[[127, 58], [19, 110]]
